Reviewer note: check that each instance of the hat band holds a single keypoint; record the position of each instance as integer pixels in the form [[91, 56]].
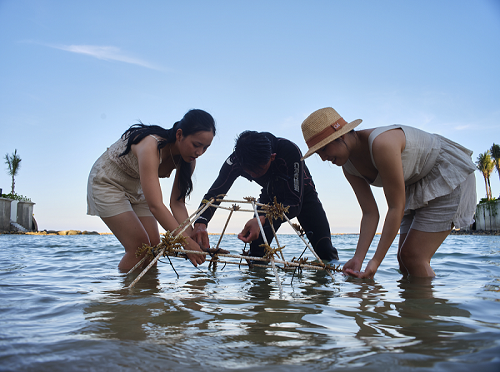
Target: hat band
[[332, 128]]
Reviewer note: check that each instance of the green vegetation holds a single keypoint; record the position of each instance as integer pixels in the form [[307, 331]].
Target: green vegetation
[[490, 205], [495, 154], [13, 164], [15, 196], [486, 165]]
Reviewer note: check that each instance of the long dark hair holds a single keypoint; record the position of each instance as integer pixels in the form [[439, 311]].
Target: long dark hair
[[194, 121]]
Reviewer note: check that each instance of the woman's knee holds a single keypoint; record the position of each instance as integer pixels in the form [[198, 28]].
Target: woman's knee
[[410, 260]]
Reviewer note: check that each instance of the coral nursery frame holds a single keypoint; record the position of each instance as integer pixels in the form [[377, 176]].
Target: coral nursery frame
[[171, 244]]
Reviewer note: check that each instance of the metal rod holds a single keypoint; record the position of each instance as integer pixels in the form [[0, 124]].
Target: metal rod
[[307, 244], [252, 258], [224, 229], [276, 237], [265, 241]]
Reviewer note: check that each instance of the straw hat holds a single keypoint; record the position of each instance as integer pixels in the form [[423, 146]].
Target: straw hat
[[322, 127]]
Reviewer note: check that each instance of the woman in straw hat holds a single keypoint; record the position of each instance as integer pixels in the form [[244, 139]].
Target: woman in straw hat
[[428, 183]]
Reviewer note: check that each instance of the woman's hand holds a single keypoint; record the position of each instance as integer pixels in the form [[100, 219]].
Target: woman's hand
[[196, 259], [352, 266], [369, 272]]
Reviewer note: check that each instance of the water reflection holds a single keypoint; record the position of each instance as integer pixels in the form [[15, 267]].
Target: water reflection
[[121, 314], [67, 308], [415, 321], [204, 321], [234, 318]]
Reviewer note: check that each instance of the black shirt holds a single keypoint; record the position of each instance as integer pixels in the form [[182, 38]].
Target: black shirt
[[287, 178]]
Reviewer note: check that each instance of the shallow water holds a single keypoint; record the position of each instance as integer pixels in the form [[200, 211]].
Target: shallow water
[[64, 306]]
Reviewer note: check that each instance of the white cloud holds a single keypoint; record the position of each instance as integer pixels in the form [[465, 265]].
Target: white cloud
[[107, 53]]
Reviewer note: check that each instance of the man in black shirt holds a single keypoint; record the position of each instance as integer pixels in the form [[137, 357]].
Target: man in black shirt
[[274, 163]]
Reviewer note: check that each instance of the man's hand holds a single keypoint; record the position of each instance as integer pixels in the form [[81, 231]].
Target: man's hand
[[200, 235], [251, 231]]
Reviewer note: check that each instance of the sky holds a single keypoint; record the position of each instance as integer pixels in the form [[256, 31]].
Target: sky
[[74, 75]]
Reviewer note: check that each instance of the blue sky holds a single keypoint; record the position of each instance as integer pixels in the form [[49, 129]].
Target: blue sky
[[74, 75]]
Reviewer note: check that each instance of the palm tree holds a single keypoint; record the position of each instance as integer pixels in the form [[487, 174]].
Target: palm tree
[[495, 154], [14, 163], [485, 165]]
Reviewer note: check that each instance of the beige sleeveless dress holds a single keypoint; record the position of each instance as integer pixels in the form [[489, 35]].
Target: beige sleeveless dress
[[433, 167], [114, 184]]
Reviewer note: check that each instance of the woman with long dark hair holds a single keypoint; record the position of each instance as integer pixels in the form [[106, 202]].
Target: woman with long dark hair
[[124, 189]]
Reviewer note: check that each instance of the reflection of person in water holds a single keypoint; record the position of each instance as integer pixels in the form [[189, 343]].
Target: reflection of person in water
[[138, 315], [302, 283], [271, 321], [420, 316], [422, 313], [123, 315]]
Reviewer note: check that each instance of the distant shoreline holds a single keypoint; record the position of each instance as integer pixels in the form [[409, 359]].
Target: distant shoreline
[[55, 232], [85, 232], [475, 232]]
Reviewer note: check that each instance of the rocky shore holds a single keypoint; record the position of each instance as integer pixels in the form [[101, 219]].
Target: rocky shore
[[54, 232], [475, 232]]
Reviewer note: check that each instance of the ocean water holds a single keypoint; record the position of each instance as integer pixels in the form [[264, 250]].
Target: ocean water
[[65, 307]]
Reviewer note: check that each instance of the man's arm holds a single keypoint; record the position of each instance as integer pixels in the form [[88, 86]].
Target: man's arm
[[227, 175], [289, 185]]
